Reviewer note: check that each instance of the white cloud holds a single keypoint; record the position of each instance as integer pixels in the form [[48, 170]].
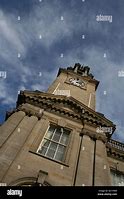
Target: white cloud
[[5, 97], [21, 88], [9, 100], [37, 87], [46, 21], [119, 134], [9, 33], [3, 92], [10, 40]]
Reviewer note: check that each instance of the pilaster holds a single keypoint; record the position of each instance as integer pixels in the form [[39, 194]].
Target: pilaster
[[10, 125], [85, 166], [102, 171], [14, 144]]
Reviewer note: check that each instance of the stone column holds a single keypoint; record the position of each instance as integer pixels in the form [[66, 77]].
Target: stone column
[[102, 171], [14, 144], [9, 126], [85, 166]]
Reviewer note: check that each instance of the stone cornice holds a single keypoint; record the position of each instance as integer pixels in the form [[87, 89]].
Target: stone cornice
[[54, 103], [115, 149], [69, 101]]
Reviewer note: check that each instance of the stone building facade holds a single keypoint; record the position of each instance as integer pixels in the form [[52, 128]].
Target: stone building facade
[[56, 138]]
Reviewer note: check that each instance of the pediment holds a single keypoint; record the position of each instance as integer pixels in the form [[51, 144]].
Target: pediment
[[59, 102], [64, 105]]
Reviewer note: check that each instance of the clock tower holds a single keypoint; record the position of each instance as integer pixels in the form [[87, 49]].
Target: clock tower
[[76, 82]]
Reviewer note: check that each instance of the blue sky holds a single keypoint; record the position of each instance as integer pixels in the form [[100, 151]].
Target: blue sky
[[31, 48]]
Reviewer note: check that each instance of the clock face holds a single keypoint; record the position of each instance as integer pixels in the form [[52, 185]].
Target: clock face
[[77, 82]]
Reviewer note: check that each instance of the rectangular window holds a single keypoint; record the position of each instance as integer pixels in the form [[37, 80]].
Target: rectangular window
[[117, 178], [54, 143]]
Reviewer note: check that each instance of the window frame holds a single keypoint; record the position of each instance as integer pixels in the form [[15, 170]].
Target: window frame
[[58, 143]]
